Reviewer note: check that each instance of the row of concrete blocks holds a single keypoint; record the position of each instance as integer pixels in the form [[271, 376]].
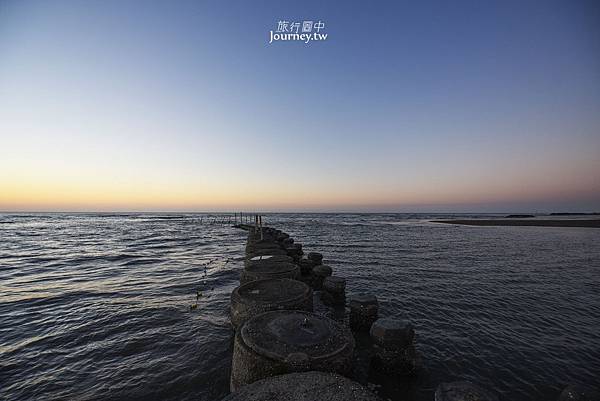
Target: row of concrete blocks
[[265, 260], [276, 331], [284, 351], [275, 255]]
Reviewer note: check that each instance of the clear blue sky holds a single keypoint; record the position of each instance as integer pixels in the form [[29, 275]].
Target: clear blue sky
[[449, 105]]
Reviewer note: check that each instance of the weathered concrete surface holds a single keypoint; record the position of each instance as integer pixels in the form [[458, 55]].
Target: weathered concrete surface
[[281, 236], [307, 279], [393, 350], [305, 386], [320, 273], [334, 291], [294, 250], [315, 257], [265, 271], [364, 310], [280, 342], [306, 266], [261, 296], [258, 246], [269, 236], [463, 391], [390, 332], [265, 252], [267, 260], [250, 249]]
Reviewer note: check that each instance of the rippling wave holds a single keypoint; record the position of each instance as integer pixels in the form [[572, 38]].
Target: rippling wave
[[97, 306]]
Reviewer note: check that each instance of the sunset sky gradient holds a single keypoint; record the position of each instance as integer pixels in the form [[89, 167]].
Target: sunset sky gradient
[[183, 105]]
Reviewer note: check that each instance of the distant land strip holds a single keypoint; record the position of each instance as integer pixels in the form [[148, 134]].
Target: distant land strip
[[592, 223]]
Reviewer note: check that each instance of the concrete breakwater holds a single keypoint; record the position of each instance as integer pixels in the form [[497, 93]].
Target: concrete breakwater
[[283, 351]]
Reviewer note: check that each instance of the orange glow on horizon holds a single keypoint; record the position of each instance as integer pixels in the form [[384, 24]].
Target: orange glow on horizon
[[49, 195]]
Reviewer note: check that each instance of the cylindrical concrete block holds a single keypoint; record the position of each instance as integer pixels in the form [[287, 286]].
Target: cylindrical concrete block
[[267, 260], [463, 391], [265, 271], [306, 266], [363, 312], [281, 237], [294, 249], [334, 291], [304, 386], [393, 346], [279, 342], [261, 245], [320, 273], [261, 296], [315, 257]]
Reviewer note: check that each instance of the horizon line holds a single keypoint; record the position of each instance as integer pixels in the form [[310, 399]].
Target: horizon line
[[279, 212]]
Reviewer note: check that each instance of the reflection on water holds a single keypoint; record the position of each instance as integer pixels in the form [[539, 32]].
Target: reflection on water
[[98, 306]]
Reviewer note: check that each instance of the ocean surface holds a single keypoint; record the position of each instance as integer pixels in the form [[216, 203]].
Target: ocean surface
[[97, 306]]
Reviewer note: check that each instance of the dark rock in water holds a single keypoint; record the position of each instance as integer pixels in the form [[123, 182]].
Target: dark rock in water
[[518, 216], [463, 391], [261, 296], [306, 386], [315, 257], [279, 342], [364, 311], [579, 393]]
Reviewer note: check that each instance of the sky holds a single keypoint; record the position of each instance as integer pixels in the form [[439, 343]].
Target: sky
[[464, 106]]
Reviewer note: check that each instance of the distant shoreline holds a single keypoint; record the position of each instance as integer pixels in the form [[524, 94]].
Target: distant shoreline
[[591, 223]]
